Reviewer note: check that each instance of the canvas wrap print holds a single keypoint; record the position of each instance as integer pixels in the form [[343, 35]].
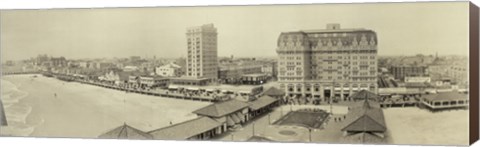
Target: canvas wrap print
[[373, 73]]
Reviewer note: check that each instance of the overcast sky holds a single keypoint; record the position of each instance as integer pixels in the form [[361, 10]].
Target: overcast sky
[[402, 29]]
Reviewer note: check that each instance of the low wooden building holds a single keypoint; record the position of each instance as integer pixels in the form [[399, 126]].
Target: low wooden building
[[446, 100], [235, 112], [254, 79], [365, 120], [262, 105]]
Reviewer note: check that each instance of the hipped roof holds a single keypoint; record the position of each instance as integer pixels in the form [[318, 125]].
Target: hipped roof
[[125, 132], [272, 91], [187, 129], [222, 108]]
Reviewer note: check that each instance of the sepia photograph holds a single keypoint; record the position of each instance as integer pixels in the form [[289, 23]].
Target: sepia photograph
[[359, 73]]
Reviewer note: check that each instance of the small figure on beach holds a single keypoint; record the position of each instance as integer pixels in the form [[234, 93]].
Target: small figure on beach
[[55, 95], [171, 123]]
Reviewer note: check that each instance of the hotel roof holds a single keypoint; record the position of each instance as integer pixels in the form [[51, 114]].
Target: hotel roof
[[185, 130], [222, 108], [125, 132]]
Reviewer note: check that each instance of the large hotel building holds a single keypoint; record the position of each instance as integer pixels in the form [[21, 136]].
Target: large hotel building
[[202, 52], [328, 62]]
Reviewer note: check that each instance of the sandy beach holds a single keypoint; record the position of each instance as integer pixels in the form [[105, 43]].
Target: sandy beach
[[417, 126], [80, 110]]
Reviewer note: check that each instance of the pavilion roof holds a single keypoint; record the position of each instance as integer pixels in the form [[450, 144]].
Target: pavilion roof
[[125, 132], [272, 91], [187, 129], [222, 108]]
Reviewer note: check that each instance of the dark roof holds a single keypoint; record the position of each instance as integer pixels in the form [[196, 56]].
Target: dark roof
[[262, 102], [363, 138], [366, 117], [366, 104], [185, 130], [125, 132], [272, 91], [3, 118], [361, 95], [222, 108], [371, 122], [446, 96]]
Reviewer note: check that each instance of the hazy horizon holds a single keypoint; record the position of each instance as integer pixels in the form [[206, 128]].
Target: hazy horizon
[[402, 28]]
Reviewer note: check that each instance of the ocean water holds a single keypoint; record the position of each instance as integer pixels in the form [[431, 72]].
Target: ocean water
[[16, 112]]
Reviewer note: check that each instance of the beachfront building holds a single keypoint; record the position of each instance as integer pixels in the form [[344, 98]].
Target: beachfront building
[[202, 52], [200, 128], [169, 70], [149, 82], [233, 112], [401, 71], [365, 119], [446, 100], [232, 73], [254, 79], [125, 132], [262, 105], [331, 62]]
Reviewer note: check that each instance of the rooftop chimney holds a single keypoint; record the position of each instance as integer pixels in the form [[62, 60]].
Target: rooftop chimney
[[333, 26]]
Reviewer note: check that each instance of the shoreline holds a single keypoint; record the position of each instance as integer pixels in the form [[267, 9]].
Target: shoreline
[[106, 108]]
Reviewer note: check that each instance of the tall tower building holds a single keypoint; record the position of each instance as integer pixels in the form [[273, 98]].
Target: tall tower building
[[202, 52], [328, 62]]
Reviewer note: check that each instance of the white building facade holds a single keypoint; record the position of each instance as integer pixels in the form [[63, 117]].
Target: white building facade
[[326, 63], [169, 70], [202, 52]]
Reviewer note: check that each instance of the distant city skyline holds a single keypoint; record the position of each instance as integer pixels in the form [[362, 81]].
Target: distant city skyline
[[243, 31]]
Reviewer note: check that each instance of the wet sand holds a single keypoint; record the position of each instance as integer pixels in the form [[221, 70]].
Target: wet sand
[[86, 111]]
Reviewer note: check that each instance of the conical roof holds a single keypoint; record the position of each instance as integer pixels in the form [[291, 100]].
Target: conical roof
[[125, 132]]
